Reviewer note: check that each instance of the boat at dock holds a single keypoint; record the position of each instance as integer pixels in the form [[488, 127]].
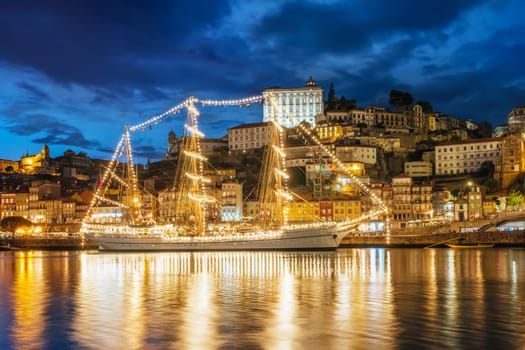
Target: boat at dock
[[469, 246], [190, 225]]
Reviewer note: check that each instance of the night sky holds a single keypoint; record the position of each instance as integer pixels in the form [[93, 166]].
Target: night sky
[[73, 73]]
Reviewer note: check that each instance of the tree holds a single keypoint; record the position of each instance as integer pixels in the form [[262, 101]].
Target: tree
[[12, 223], [399, 99], [425, 105], [331, 93], [486, 168], [515, 199]]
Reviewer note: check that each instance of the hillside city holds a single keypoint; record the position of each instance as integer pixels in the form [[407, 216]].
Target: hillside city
[[428, 167]]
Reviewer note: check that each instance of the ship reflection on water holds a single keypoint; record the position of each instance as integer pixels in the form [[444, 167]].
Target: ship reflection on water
[[348, 299]]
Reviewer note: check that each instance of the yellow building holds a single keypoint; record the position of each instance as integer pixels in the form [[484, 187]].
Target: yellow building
[[346, 209], [302, 211], [329, 133], [33, 164], [8, 166]]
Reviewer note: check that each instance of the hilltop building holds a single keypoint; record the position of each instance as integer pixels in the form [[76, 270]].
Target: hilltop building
[[291, 106]]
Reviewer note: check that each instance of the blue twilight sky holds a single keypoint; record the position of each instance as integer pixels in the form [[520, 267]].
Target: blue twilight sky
[[73, 73]]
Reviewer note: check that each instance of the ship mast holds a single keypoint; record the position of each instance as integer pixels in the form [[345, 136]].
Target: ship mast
[[192, 201], [272, 189], [133, 192]]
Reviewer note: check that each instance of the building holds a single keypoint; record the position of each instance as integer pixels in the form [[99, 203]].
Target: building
[[39, 163], [357, 153], [291, 106], [516, 119], [329, 133], [302, 211], [231, 207], [511, 163], [411, 203], [250, 136], [475, 204], [466, 157], [208, 146], [8, 166], [418, 169]]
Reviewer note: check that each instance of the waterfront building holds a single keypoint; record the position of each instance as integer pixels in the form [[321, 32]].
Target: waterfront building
[[291, 106], [7, 205], [465, 157], [401, 199], [475, 204], [461, 208], [440, 199], [346, 209], [69, 208], [42, 205], [250, 208], [411, 203], [166, 209], [302, 211], [231, 201]]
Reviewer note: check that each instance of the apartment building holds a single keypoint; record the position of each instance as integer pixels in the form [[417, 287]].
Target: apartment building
[[466, 157], [250, 136]]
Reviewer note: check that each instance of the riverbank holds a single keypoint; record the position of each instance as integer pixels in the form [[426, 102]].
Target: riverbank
[[498, 238], [47, 243]]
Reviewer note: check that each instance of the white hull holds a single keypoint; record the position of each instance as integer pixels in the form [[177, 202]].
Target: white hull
[[318, 238]]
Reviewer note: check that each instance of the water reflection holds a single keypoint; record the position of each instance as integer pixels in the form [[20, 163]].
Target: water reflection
[[354, 298]]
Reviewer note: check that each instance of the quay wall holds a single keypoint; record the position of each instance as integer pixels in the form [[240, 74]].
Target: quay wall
[[47, 243], [499, 238]]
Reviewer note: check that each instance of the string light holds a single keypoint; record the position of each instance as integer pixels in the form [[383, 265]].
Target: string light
[[171, 232]]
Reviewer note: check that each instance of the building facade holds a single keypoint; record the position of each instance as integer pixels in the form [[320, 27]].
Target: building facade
[[250, 136], [291, 106], [466, 157]]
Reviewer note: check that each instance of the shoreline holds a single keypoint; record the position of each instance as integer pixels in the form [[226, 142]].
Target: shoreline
[[505, 239]]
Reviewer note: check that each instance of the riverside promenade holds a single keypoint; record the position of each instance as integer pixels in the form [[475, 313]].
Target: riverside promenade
[[407, 240], [469, 232]]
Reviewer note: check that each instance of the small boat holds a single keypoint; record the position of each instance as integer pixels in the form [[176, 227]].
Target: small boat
[[467, 246]]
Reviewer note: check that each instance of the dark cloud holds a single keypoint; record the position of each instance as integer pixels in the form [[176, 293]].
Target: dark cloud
[[54, 131], [33, 90], [119, 62], [101, 43]]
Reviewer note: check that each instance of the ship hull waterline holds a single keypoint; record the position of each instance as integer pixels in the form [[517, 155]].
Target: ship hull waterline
[[306, 239]]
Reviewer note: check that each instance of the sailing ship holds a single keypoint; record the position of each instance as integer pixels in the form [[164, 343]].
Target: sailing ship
[[190, 228]]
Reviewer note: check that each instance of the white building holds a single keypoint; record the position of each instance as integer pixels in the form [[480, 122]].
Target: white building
[[466, 157], [291, 106]]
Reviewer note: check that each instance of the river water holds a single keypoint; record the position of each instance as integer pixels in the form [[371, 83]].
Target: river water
[[348, 299]]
